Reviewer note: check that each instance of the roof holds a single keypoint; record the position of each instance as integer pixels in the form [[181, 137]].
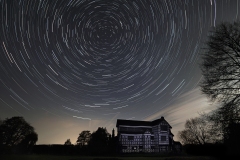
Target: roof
[[136, 130], [171, 133], [132, 123], [140, 123]]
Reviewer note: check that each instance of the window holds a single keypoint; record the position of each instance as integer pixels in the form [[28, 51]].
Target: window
[[163, 127], [152, 137], [163, 148], [134, 147], [130, 137], [140, 147], [152, 147], [163, 138]]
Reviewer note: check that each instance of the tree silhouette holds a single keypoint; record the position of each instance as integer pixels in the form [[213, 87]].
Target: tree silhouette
[[221, 72], [83, 138], [99, 141], [194, 132], [221, 67], [68, 142], [16, 132]]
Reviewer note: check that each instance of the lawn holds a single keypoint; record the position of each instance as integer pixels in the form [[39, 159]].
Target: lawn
[[54, 157]]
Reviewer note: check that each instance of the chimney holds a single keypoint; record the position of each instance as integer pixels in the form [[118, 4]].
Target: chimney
[[113, 133]]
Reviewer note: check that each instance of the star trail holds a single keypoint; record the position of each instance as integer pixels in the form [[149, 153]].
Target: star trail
[[84, 63]]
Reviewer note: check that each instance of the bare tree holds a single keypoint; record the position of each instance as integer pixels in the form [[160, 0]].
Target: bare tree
[[213, 126], [221, 72], [198, 130], [221, 68]]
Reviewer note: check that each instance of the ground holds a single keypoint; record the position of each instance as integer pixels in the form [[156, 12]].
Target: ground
[[53, 157]]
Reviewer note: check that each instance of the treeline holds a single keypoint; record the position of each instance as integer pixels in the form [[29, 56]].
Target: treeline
[[73, 150], [18, 137], [99, 142], [209, 135], [219, 131], [204, 136]]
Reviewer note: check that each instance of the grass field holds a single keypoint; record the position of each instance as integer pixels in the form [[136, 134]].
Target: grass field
[[54, 157]]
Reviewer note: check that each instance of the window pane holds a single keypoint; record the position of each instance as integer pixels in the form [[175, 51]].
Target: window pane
[[163, 138], [163, 127], [134, 147], [130, 137]]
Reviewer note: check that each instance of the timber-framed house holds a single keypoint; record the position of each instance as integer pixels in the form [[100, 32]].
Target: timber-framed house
[[144, 136]]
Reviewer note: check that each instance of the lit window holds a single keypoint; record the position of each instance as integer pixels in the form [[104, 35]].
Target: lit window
[[134, 148]]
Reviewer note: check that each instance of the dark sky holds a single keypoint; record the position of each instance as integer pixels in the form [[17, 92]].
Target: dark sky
[[73, 65]]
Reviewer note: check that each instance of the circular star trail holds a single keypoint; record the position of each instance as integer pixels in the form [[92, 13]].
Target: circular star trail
[[89, 59]]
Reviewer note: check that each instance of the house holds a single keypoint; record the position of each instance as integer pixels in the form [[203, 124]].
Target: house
[[144, 136]]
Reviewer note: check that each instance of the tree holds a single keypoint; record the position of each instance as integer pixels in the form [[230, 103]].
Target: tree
[[221, 68], [99, 141], [29, 141], [199, 130], [83, 138], [16, 132], [229, 129], [68, 142], [221, 72], [214, 127]]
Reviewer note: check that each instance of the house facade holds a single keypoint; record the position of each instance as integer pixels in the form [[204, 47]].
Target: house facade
[[144, 136]]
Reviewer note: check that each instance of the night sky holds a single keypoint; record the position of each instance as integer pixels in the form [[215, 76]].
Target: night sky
[[73, 65]]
